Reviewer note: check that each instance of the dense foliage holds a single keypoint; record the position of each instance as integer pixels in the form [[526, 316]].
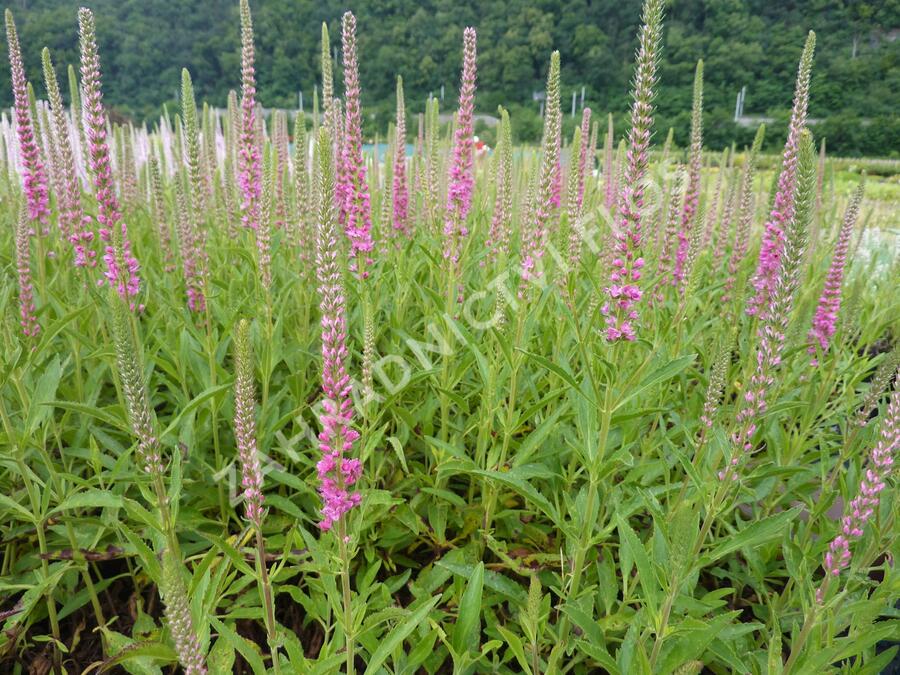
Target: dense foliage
[[285, 408], [744, 42]]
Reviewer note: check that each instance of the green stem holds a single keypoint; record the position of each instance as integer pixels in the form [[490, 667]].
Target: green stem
[[797, 645], [586, 537], [510, 412], [349, 636], [449, 304], [268, 600], [214, 408]]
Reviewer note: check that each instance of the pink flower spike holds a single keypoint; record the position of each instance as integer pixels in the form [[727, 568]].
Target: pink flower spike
[[783, 208], [336, 472], [462, 178], [861, 509], [628, 234], [249, 162], [824, 322], [34, 177], [400, 188], [121, 266], [353, 189]]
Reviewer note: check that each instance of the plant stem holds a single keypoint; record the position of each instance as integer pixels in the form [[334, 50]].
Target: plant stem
[[510, 411], [797, 645], [268, 600], [349, 635]]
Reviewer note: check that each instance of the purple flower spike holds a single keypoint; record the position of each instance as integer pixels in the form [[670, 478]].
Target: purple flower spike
[[249, 162], [35, 178], [824, 322], [121, 266], [336, 471], [623, 292], [353, 189], [462, 178], [859, 511], [785, 198]]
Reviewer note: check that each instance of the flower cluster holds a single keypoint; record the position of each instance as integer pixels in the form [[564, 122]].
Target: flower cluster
[[28, 320], [134, 390], [583, 149], [862, 507], [72, 220], [462, 178], [609, 172], [353, 189], [772, 332], [499, 236], [178, 615], [245, 425], [400, 188], [692, 194], [770, 253], [336, 471], [745, 214], [249, 161], [534, 237], [121, 266], [623, 293], [35, 178], [824, 322]]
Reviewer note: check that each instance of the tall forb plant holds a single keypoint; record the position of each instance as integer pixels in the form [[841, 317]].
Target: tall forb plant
[[623, 292], [121, 266], [766, 275]]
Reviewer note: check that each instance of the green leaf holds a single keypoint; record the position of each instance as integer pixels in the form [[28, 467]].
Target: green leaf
[[44, 391], [199, 400], [10, 503], [136, 657], [514, 642], [753, 535], [514, 479], [558, 370], [468, 622], [493, 580], [221, 657], [399, 633], [91, 411], [90, 499], [244, 647], [666, 372], [585, 622], [600, 655], [649, 584]]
